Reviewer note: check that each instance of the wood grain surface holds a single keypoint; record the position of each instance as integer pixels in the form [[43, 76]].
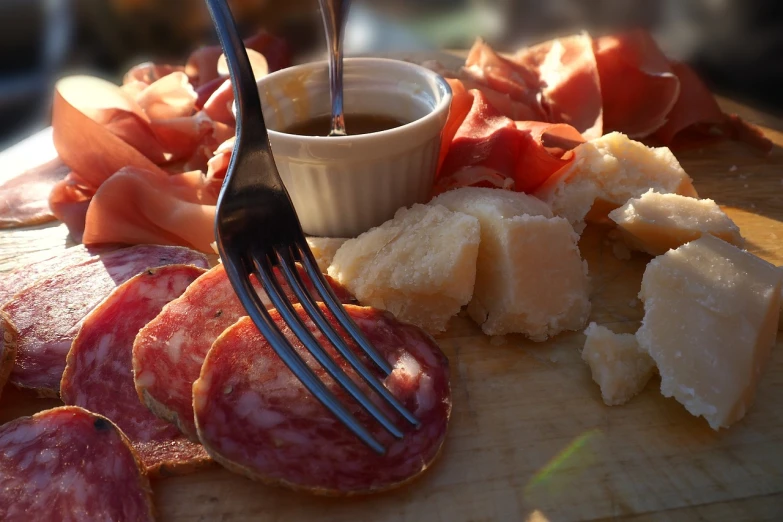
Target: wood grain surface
[[530, 439]]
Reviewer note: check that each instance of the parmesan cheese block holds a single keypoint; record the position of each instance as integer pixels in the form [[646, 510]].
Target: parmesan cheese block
[[324, 249], [607, 172], [710, 320], [619, 367], [420, 265], [530, 277], [655, 222]]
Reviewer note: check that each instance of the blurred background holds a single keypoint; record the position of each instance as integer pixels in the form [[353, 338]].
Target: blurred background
[[736, 45]]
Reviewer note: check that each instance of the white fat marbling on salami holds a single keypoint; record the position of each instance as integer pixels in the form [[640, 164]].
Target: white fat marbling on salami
[[169, 351], [99, 374], [70, 464], [255, 417], [49, 313]]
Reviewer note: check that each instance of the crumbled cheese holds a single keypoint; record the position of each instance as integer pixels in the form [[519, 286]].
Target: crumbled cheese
[[607, 172], [710, 321], [655, 223], [617, 364], [530, 275], [420, 265]]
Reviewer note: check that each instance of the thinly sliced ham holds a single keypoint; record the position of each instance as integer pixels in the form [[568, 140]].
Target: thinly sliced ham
[[489, 149], [23, 198], [148, 72], [85, 145], [137, 206], [638, 86], [570, 87], [69, 200], [202, 64]]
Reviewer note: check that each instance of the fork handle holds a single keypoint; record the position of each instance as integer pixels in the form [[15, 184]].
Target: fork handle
[[253, 132]]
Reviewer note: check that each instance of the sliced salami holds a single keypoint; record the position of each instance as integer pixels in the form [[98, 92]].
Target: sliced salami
[[168, 352], [99, 376], [8, 335], [23, 277], [49, 313], [255, 417], [70, 464]]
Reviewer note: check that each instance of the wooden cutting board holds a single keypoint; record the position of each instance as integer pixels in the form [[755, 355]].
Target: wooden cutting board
[[530, 439]]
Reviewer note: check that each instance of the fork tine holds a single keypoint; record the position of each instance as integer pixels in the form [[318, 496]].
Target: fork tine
[[257, 312], [334, 306], [289, 315], [291, 275]]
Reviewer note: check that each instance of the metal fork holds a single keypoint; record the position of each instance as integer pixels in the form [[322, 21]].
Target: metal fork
[[257, 230]]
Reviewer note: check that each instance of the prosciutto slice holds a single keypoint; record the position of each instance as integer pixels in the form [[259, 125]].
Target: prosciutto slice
[[638, 86], [148, 140], [570, 88], [490, 149]]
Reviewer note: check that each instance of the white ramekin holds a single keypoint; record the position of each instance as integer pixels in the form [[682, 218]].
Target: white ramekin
[[342, 186]]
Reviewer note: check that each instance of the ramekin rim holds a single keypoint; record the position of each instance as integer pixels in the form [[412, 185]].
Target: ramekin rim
[[442, 106]]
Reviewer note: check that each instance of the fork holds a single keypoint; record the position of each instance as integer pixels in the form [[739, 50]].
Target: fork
[[257, 230]]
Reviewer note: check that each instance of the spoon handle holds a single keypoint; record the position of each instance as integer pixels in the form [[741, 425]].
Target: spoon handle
[[335, 14]]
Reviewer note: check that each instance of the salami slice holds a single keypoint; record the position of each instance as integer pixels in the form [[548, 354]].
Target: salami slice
[[255, 417], [8, 336], [23, 277], [98, 375], [69, 464], [49, 313], [168, 352]]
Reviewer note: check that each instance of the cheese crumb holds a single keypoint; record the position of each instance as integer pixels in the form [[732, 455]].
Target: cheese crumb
[[617, 364], [530, 275], [607, 172], [324, 249], [710, 321], [655, 223], [419, 265]]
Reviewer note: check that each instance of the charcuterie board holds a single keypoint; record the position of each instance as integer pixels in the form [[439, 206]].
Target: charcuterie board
[[530, 438]]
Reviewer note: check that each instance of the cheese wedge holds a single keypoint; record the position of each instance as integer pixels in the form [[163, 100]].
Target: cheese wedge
[[710, 321], [530, 277], [420, 265], [655, 222], [619, 367], [324, 249], [607, 172]]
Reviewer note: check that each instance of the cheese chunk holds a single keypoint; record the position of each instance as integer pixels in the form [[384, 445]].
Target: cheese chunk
[[420, 265], [324, 249], [655, 222], [607, 172], [710, 320], [530, 277], [617, 364]]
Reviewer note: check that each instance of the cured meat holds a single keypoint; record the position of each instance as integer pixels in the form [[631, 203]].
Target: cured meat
[[138, 206], [69, 464], [485, 66], [23, 198], [100, 128], [202, 63], [49, 313], [256, 418], [570, 87], [69, 200], [8, 337], [490, 149], [695, 104], [99, 375], [23, 277], [638, 87], [169, 350]]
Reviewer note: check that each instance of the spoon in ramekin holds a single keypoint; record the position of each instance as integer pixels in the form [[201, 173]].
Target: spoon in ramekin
[[335, 14]]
